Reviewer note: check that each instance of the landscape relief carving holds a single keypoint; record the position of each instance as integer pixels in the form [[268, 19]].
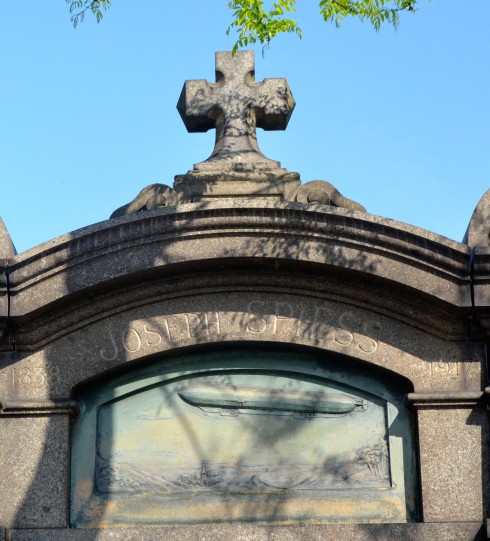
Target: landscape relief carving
[[191, 438], [249, 432]]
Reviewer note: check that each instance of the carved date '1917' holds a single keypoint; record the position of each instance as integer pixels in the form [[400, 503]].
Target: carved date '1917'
[[445, 369]]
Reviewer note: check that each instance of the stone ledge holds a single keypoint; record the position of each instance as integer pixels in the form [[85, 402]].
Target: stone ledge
[[38, 407], [443, 399], [457, 531], [338, 239]]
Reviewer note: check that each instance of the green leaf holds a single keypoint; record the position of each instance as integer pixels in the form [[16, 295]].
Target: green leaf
[[78, 8]]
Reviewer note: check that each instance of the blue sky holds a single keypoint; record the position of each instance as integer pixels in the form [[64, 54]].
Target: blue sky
[[398, 121]]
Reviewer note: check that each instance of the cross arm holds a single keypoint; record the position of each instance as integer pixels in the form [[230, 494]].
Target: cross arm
[[193, 108], [275, 106]]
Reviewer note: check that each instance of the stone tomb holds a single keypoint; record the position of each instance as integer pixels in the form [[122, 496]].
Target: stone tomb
[[279, 365]]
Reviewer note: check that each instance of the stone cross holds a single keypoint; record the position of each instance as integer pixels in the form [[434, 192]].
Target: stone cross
[[235, 105]]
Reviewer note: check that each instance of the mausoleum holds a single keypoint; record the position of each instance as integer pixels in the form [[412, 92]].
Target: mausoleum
[[247, 356]]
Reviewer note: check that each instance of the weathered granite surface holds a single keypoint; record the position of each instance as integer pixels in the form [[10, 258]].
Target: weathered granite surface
[[374, 291], [469, 531], [34, 480], [478, 232], [253, 261], [105, 341], [7, 250], [323, 193], [453, 462], [233, 185], [478, 238], [480, 269], [368, 310], [235, 105], [338, 239], [150, 197], [337, 279]]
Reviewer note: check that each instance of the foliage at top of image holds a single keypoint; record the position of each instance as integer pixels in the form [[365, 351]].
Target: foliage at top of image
[[255, 24], [78, 9]]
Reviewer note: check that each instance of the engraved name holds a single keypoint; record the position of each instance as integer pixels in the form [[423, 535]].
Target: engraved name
[[346, 329], [168, 329]]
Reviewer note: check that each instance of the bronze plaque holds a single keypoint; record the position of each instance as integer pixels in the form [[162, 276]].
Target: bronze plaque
[[242, 436]]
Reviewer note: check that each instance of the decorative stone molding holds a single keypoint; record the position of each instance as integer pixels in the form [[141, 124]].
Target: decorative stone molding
[[443, 399], [449, 531], [263, 187], [149, 198], [39, 407], [478, 232], [322, 192]]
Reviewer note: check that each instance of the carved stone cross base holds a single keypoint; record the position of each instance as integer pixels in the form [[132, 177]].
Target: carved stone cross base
[[191, 189], [235, 105], [279, 185]]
